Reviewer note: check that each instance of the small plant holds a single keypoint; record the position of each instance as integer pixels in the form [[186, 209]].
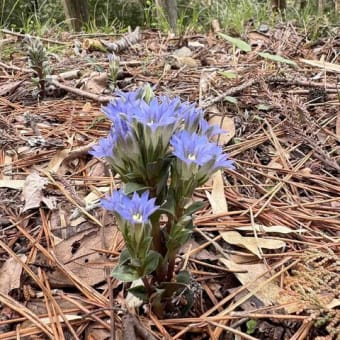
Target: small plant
[[162, 151], [113, 70], [37, 60]]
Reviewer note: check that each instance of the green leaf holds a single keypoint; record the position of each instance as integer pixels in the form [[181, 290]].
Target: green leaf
[[170, 288], [125, 273], [230, 99], [183, 277], [263, 107], [147, 93], [242, 45], [251, 326], [124, 257], [277, 58], [228, 74], [194, 207], [140, 292], [178, 236], [151, 262], [168, 207], [131, 187]]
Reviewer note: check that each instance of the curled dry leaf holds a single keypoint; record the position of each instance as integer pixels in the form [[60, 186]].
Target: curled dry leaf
[[253, 244]]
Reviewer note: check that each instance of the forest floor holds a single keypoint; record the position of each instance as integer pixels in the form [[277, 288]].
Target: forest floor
[[264, 251]]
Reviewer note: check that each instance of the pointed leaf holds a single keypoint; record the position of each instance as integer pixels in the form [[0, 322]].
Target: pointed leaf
[[131, 187], [277, 58], [194, 207], [228, 74], [242, 45], [230, 99]]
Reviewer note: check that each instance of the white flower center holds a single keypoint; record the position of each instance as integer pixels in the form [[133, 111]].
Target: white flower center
[[137, 218], [150, 122], [191, 157]]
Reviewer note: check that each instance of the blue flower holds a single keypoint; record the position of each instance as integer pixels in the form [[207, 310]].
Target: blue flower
[[204, 128], [124, 106], [193, 148], [104, 148], [191, 116], [157, 113], [135, 210]]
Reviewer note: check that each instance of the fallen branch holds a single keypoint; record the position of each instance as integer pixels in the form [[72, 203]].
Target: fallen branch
[[130, 39], [23, 36], [229, 92], [99, 98]]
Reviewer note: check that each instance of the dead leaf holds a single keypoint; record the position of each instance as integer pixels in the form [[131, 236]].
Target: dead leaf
[[253, 244], [57, 160], [96, 83], [227, 125], [93, 197], [334, 304], [10, 274], [183, 52], [330, 67], [97, 332], [32, 191], [268, 294], [79, 257], [217, 198], [337, 127], [87, 108], [50, 202], [12, 183], [177, 62], [257, 38], [279, 229]]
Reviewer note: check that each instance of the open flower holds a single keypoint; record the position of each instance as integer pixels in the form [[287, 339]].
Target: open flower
[[104, 148], [157, 113], [192, 148], [135, 210]]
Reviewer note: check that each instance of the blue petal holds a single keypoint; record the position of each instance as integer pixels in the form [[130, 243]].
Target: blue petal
[[135, 209]]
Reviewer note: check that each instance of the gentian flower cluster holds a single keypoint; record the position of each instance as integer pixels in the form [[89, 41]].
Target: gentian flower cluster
[[162, 150]]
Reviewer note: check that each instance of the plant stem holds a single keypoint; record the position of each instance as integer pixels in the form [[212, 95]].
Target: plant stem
[[156, 235], [171, 267], [147, 285], [157, 245]]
